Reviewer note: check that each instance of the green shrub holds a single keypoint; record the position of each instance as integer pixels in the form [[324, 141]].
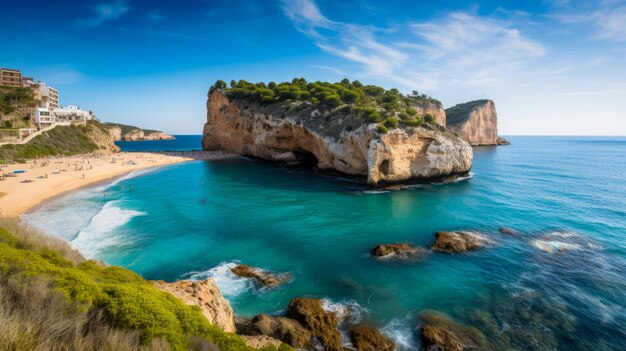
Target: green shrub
[[391, 122], [414, 122], [428, 118], [382, 129]]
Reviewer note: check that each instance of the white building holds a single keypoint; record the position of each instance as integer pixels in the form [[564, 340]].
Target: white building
[[71, 114], [43, 118]]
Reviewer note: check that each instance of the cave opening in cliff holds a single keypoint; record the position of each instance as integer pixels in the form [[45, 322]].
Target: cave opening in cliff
[[306, 159], [384, 167]]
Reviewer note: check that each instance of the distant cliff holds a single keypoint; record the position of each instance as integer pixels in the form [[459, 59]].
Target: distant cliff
[[475, 121], [132, 133], [339, 138]]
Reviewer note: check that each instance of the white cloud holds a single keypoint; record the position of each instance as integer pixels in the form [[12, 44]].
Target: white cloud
[[604, 20], [459, 48], [104, 12]]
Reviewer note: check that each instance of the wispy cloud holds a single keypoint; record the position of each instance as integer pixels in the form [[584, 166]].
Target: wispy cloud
[[605, 20], [459, 48], [104, 12]]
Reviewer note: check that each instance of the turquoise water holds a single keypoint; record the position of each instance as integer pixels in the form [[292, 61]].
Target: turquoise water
[[195, 220]]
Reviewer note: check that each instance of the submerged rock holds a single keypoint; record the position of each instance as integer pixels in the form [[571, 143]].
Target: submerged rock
[[476, 122], [207, 296], [265, 278], [284, 329], [398, 250], [335, 139], [507, 231], [311, 314], [439, 332], [458, 241], [366, 338]]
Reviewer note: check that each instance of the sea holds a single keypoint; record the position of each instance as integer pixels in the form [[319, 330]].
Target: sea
[[557, 283]]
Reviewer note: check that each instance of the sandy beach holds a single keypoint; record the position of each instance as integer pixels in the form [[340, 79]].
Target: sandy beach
[[47, 178]]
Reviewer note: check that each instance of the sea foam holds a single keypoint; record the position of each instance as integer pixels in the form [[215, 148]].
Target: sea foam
[[99, 234], [230, 284]]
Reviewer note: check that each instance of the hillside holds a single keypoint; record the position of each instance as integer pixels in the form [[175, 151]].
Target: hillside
[[62, 140], [131, 133], [51, 298], [476, 122], [363, 131]]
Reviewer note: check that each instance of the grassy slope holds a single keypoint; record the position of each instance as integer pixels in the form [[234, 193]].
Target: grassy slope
[[460, 113], [62, 140], [51, 298], [127, 129]]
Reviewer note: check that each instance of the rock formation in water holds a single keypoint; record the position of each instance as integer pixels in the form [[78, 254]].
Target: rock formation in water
[[366, 338], [399, 251], [336, 139], [476, 122], [132, 133], [458, 241], [261, 276], [284, 329], [439, 332], [323, 324], [207, 296]]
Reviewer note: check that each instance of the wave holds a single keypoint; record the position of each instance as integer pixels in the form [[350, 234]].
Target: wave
[[100, 234], [230, 284], [402, 334], [560, 241]]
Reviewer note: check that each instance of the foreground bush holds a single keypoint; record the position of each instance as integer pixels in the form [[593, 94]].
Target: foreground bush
[[54, 301]]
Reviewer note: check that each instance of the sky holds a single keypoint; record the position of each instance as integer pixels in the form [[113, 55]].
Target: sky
[[552, 67]]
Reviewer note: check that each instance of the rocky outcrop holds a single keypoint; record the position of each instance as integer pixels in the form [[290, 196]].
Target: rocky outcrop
[[439, 332], [458, 241], [366, 338], [141, 135], [261, 341], [264, 278], [296, 132], [206, 295], [310, 314], [476, 122], [434, 109], [131, 133], [284, 329], [399, 250]]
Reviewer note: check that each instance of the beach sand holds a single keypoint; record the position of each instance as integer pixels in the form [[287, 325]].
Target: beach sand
[[57, 175]]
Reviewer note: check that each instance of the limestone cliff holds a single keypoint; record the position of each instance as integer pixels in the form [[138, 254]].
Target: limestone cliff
[[476, 122], [132, 133], [332, 139], [205, 295]]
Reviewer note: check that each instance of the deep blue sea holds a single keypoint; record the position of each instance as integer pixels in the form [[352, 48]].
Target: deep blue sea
[[182, 143], [565, 195]]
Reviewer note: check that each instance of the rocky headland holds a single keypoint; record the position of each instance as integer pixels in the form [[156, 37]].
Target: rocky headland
[[122, 132], [379, 136], [475, 121]]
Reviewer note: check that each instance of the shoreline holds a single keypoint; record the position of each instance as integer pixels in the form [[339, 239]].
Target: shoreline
[[55, 176]]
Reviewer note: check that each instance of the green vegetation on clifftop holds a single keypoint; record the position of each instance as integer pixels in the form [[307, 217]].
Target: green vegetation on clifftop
[[373, 104], [128, 129], [51, 298]]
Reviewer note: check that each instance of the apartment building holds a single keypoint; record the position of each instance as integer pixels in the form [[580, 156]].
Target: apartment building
[[10, 77]]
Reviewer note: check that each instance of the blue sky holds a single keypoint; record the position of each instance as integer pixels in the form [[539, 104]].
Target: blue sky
[[552, 67]]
